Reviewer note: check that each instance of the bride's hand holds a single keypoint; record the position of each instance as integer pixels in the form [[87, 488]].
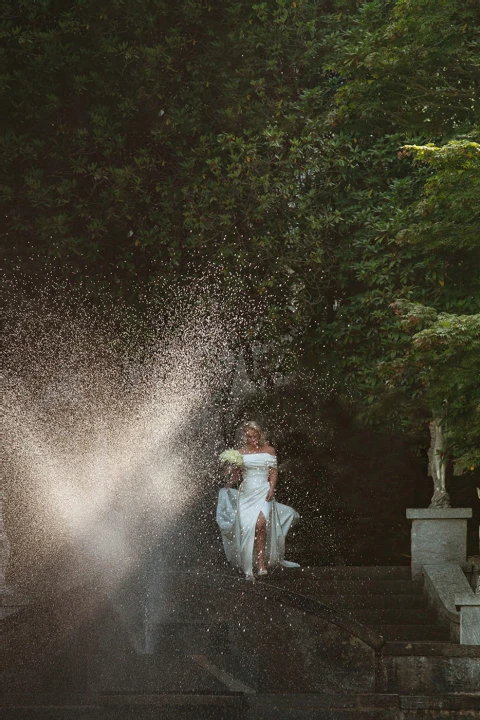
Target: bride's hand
[[270, 494], [235, 477]]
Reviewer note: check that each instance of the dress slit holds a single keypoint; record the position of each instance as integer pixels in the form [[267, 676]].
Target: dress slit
[[266, 514], [238, 512]]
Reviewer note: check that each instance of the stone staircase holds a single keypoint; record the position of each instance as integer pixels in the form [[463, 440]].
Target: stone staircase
[[385, 599], [320, 643], [419, 671]]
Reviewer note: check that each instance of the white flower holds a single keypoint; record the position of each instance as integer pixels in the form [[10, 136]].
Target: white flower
[[232, 457]]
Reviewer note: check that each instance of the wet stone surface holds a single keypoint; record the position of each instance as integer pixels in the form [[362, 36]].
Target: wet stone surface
[[181, 632], [193, 644]]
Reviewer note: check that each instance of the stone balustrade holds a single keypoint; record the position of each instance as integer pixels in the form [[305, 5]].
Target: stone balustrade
[[439, 554]]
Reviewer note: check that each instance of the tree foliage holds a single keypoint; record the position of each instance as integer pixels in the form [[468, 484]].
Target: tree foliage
[[440, 374], [146, 137], [417, 234], [448, 215], [408, 65], [322, 152]]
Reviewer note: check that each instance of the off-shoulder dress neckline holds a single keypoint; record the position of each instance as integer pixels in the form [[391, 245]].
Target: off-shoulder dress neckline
[[259, 453]]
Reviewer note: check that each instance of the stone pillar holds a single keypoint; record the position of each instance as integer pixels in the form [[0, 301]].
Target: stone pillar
[[469, 606], [439, 535]]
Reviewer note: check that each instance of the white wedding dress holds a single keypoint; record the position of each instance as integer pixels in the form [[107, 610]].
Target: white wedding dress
[[238, 511]]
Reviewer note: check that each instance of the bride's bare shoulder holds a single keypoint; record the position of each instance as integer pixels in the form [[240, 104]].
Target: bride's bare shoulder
[[269, 449]]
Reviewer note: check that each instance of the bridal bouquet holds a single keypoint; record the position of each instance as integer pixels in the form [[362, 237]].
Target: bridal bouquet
[[232, 457]]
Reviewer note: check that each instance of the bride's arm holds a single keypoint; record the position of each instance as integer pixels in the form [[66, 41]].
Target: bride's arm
[[272, 481], [235, 477]]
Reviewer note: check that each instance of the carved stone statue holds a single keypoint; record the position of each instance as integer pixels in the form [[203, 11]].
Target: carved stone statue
[[436, 466]]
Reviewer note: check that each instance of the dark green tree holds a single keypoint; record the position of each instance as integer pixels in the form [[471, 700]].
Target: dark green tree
[[409, 224], [143, 141]]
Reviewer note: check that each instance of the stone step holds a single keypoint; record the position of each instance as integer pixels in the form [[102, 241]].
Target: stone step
[[362, 707], [252, 707], [392, 616], [461, 705], [378, 572], [430, 649], [412, 632], [159, 673], [394, 608], [314, 585], [323, 707], [428, 668], [379, 602], [124, 707]]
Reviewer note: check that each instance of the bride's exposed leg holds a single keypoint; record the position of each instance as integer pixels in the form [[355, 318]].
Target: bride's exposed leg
[[260, 540]]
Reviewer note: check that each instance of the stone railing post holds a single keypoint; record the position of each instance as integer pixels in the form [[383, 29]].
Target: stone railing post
[[469, 606], [439, 536]]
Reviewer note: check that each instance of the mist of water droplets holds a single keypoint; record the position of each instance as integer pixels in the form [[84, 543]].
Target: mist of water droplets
[[107, 423]]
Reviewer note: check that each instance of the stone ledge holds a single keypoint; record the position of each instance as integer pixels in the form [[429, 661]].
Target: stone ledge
[[304, 701], [429, 649], [438, 513], [441, 702], [94, 700], [467, 599], [442, 584], [314, 701]]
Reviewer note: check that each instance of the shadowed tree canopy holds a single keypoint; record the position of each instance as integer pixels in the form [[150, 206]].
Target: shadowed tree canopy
[[322, 152]]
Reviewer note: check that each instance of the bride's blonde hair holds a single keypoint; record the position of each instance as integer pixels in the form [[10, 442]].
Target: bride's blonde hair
[[253, 425]]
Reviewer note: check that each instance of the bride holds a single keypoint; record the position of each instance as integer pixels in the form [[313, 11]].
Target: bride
[[252, 523]]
